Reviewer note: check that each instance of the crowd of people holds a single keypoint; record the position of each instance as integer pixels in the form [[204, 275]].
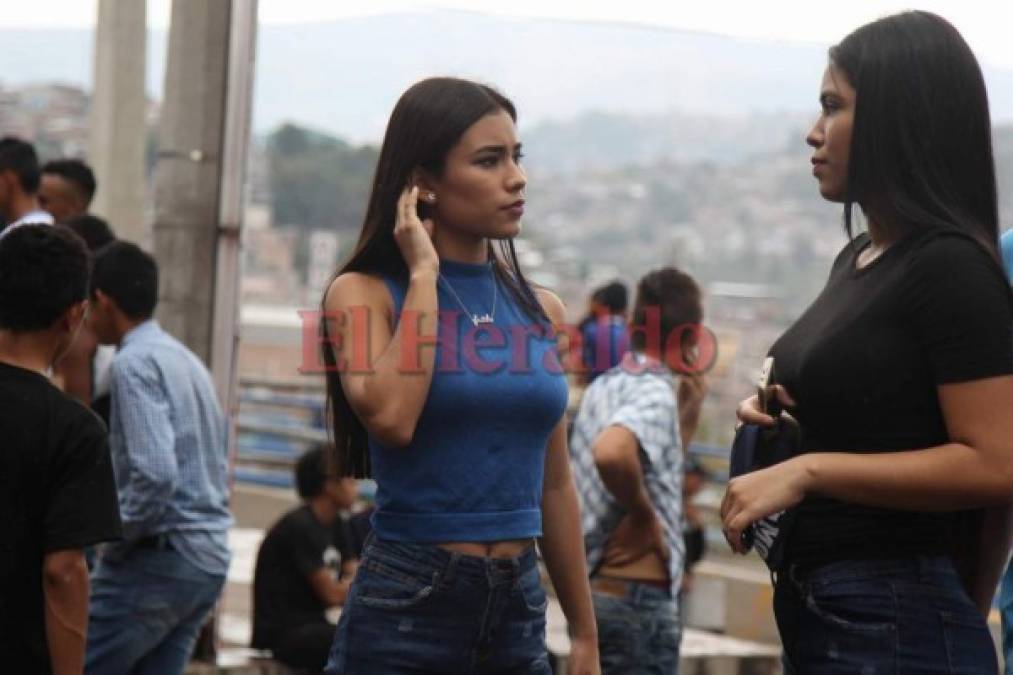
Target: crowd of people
[[893, 502], [115, 463]]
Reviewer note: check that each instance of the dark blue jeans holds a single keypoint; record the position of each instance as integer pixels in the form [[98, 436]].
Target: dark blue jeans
[[639, 634], [416, 608], [147, 609], [878, 617]]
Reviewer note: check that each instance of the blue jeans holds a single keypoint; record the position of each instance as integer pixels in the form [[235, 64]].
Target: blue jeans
[[640, 633], [416, 608], [873, 617], [147, 609], [1006, 611]]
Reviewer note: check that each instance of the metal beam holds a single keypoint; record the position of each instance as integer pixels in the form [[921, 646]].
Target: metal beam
[[235, 144]]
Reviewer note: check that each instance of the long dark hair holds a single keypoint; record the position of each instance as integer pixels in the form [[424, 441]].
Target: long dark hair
[[427, 122], [921, 146]]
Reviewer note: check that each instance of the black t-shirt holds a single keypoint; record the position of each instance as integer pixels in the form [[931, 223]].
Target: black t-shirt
[[293, 549], [864, 362], [57, 492]]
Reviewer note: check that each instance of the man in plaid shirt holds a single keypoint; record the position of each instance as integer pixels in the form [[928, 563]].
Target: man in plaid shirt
[[627, 458]]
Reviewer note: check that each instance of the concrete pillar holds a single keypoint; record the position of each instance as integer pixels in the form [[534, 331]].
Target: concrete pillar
[[117, 134], [188, 172], [204, 135]]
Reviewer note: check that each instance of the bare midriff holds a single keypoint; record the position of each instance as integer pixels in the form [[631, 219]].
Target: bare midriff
[[650, 567], [510, 548]]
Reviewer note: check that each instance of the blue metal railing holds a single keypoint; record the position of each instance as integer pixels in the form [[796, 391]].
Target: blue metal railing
[[276, 426]]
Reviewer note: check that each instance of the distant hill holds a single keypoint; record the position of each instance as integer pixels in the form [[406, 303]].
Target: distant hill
[[598, 140], [636, 190], [344, 76]]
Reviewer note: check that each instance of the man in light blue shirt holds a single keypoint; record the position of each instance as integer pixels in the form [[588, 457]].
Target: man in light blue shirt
[[153, 592]]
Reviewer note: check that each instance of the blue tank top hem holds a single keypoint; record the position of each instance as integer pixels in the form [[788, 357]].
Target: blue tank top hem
[[445, 527]]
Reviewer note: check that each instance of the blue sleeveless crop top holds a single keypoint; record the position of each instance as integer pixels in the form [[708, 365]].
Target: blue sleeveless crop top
[[474, 468]]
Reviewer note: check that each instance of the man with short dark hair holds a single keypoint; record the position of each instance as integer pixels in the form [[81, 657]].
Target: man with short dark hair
[[153, 591], [66, 189], [57, 493], [95, 231], [627, 451], [304, 566], [84, 370], [603, 332], [19, 183]]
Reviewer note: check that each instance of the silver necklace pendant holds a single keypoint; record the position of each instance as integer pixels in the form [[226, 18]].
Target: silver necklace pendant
[[476, 319]]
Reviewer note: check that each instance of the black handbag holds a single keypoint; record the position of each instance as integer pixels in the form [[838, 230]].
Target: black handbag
[[756, 448]]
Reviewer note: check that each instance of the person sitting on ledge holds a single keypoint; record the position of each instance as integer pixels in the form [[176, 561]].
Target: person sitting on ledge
[[304, 567]]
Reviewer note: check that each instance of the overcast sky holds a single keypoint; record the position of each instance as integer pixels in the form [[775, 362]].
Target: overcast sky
[[985, 24]]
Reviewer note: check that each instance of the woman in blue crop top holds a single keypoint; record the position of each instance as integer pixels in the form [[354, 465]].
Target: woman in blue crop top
[[446, 388]]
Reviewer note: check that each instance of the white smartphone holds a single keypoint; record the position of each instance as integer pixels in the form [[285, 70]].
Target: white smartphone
[[768, 404]]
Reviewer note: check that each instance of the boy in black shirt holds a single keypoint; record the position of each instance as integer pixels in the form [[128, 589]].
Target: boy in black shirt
[[57, 492], [305, 565]]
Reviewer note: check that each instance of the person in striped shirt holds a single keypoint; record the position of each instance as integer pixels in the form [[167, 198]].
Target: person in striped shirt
[[627, 457]]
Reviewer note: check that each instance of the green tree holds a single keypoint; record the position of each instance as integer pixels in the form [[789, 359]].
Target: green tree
[[318, 181]]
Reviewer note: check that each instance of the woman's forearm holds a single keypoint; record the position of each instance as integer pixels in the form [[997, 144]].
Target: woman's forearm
[[562, 547], [942, 478]]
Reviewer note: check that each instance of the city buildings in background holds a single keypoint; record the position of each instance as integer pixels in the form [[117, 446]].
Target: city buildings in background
[[749, 225]]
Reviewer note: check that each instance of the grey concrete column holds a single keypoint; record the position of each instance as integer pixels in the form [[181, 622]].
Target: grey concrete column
[[188, 172], [117, 133]]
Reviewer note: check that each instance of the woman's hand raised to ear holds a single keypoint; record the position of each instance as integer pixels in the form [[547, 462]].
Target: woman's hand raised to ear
[[414, 237]]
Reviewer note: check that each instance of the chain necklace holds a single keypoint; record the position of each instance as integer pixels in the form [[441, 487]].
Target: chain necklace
[[476, 319]]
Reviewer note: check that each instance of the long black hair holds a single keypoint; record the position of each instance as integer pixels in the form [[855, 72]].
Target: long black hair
[[427, 122], [921, 146]]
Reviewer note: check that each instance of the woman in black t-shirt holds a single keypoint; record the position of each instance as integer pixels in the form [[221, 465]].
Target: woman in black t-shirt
[[898, 374]]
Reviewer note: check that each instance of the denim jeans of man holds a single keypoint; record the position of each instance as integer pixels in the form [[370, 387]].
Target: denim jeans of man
[[878, 617], [417, 608], [640, 633], [147, 608]]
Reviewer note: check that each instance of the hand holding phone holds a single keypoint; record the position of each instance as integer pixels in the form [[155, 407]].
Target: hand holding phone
[[760, 444], [769, 403]]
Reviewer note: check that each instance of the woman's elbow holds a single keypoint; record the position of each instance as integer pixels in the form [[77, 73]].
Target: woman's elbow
[[1003, 493], [998, 489]]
